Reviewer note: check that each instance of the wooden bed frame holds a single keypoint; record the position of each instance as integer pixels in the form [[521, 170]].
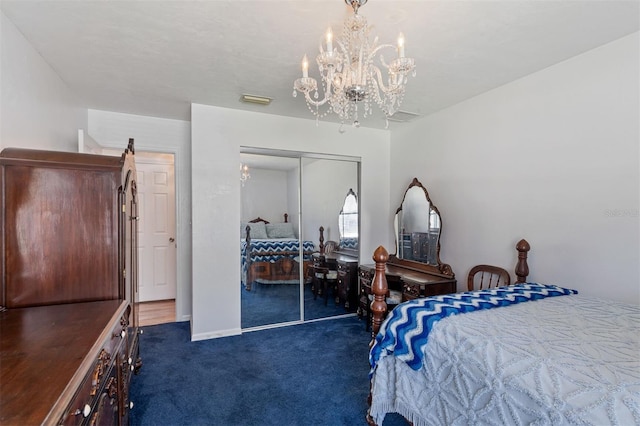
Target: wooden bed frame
[[283, 269], [379, 288]]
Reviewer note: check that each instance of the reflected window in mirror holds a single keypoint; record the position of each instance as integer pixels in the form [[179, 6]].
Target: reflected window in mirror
[[348, 222], [417, 226]]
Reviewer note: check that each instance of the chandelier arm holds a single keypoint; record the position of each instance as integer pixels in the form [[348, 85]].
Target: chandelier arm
[[378, 79], [375, 51], [319, 103]]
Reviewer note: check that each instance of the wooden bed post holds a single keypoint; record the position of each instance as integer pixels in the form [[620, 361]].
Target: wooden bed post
[[321, 239], [522, 268], [378, 307], [379, 288]]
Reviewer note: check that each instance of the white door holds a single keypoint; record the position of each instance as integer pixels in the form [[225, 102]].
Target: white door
[[156, 230]]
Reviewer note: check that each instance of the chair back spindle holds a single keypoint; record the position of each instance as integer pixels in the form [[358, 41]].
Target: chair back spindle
[[482, 277]]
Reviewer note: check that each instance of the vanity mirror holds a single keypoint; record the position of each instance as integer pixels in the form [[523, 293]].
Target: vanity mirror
[[415, 270], [348, 224], [417, 227]]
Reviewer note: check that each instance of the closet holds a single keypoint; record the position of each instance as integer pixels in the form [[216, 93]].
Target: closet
[[311, 189], [69, 300]]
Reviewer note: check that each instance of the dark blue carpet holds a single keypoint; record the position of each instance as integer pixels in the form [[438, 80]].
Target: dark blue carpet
[[308, 374], [275, 303]]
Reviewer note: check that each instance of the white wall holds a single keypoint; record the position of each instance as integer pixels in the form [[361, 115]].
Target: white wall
[[113, 130], [325, 184], [265, 195], [553, 158], [37, 109], [217, 135]]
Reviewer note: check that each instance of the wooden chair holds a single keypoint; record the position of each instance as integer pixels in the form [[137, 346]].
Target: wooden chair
[[330, 247], [324, 279], [487, 276]]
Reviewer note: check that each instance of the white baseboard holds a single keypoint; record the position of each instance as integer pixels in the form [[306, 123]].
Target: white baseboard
[[216, 334]]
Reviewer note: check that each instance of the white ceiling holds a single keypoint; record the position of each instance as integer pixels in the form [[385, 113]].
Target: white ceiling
[[157, 57]]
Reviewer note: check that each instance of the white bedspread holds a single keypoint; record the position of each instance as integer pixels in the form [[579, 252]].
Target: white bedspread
[[562, 360]]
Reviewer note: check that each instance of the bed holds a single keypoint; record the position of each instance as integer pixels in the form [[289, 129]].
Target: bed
[[526, 354], [270, 253]]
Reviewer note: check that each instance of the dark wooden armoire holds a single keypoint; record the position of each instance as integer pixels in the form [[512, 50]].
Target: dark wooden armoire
[[69, 297]]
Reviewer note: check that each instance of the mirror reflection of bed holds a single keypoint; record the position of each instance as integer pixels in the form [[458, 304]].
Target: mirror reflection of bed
[[275, 288]]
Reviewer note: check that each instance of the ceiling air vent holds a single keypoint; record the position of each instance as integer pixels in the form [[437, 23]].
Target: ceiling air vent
[[403, 116]]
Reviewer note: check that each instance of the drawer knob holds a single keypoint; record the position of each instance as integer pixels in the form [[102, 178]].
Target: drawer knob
[[123, 334], [130, 405], [86, 410], [130, 361]]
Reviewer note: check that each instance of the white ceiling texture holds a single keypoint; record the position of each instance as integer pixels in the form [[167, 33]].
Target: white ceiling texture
[[156, 57]]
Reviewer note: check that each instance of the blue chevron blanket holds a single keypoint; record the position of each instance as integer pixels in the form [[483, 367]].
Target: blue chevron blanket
[[405, 332], [351, 243]]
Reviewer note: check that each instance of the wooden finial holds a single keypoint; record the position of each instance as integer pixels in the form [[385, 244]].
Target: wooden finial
[[522, 268], [321, 239], [379, 288]]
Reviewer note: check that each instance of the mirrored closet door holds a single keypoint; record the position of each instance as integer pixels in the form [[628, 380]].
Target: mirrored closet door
[[325, 186], [285, 199], [270, 270]]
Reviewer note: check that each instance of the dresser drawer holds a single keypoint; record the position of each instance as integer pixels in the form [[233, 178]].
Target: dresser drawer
[[411, 290], [127, 367], [107, 411], [366, 274], [101, 378], [437, 289], [81, 407]]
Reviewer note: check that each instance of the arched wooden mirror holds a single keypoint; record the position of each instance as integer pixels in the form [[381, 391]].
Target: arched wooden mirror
[[418, 226], [348, 224]]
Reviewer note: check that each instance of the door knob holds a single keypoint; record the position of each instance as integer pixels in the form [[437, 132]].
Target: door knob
[[171, 239]]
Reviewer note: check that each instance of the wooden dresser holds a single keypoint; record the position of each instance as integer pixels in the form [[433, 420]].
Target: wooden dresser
[[65, 364], [409, 280], [69, 290], [415, 270]]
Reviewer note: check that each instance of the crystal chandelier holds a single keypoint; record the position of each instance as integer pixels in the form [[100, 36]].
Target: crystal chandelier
[[244, 173], [352, 73]]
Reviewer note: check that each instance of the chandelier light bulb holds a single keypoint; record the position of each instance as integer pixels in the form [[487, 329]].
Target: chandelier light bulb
[[305, 67], [244, 174], [401, 45], [329, 41]]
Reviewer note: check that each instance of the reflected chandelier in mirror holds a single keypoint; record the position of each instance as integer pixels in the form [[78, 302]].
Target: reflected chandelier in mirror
[[348, 223], [418, 227]]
